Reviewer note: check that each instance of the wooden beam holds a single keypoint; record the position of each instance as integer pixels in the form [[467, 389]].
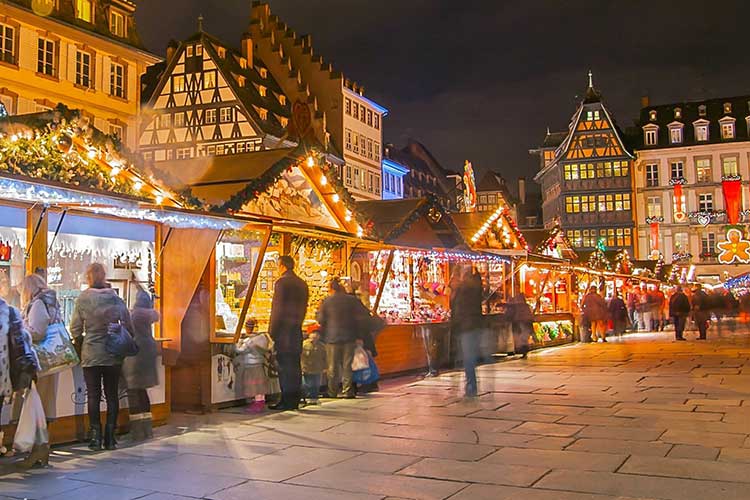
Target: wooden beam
[[253, 280], [383, 279]]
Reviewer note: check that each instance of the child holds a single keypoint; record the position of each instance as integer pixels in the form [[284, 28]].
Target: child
[[313, 366], [252, 350]]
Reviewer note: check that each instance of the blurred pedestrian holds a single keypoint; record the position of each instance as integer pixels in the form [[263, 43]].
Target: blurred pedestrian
[[701, 311], [467, 322], [618, 312], [521, 319], [252, 353], [595, 311], [679, 310]]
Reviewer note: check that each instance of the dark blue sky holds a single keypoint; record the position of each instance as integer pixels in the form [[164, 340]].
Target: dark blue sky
[[482, 79]]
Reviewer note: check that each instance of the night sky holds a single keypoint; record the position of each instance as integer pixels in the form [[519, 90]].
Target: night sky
[[482, 79]]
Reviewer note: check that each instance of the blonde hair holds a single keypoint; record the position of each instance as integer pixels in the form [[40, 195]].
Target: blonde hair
[[96, 275], [30, 287]]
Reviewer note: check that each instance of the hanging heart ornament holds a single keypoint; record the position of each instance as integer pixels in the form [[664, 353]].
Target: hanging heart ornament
[[703, 219]]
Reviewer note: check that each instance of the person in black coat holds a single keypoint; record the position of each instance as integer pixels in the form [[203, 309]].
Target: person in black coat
[[288, 309], [702, 307], [618, 311], [467, 322], [679, 309]]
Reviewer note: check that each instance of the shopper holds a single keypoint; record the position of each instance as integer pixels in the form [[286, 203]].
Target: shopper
[[313, 366], [467, 323], [633, 301], [252, 353], [339, 317], [679, 309], [96, 311], [521, 319], [288, 309], [595, 311], [701, 311], [618, 312], [140, 371]]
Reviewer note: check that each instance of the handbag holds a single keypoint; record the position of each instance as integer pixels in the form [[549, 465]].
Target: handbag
[[56, 352], [32, 424], [119, 341], [361, 360]]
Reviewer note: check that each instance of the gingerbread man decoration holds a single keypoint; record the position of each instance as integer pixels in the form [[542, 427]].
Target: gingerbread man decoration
[[734, 248]]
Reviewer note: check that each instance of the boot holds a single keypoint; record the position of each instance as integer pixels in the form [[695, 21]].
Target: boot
[[136, 428], [95, 437], [109, 437], [39, 456], [148, 428]]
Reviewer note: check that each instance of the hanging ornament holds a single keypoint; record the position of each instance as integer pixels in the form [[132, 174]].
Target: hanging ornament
[[64, 143], [679, 212], [653, 223], [734, 249], [731, 187]]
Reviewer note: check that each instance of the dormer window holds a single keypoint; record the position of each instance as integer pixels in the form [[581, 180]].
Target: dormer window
[[677, 113], [282, 99], [243, 63], [221, 51], [650, 135], [727, 108], [262, 91], [84, 10], [283, 121], [117, 23], [702, 110], [262, 113], [652, 115], [263, 72], [675, 133], [240, 80], [727, 128], [592, 115], [701, 130]]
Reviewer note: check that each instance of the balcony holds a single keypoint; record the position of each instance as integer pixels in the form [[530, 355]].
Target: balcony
[[708, 257]]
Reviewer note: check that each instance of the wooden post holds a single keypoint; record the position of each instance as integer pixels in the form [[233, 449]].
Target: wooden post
[[386, 270], [37, 219], [253, 282]]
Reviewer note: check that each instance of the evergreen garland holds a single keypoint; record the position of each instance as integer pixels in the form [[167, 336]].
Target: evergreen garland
[[623, 264], [597, 260]]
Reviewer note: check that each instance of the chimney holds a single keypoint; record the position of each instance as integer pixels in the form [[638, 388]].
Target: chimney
[[644, 101], [522, 190], [247, 49], [171, 49]]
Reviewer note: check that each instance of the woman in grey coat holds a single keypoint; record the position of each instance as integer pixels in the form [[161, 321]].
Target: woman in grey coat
[[140, 371], [97, 308]]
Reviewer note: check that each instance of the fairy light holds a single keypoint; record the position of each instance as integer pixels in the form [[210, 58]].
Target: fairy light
[[360, 231], [310, 161], [336, 198], [323, 180], [114, 172], [14, 138], [137, 185], [159, 199], [91, 154]]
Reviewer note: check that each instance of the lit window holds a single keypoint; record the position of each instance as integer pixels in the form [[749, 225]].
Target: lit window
[[727, 130], [592, 115], [7, 44], [263, 72], [653, 206], [705, 202], [262, 91], [84, 10], [184, 153], [727, 107], [701, 133], [348, 106], [376, 122], [652, 175], [117, 23], [681, 242], [355, 110], [377, 151], [369, 148], [363, 145], [83, 69], [708, 244], [225, 115], [703, 170], [650, 137], [675, 135], [209, 79], [169, 154], [210, 116], [677, 113], [46, 57], [178, 83], [652, 115], [179, 120], [677, 170], [729, 166], [369, 117], [348, 139], [240, 147], [117, 80], [165, 121], [116, 131]]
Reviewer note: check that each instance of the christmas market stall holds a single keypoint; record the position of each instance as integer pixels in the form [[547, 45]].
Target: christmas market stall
[[310, 216], [69, 197], [406, 280]]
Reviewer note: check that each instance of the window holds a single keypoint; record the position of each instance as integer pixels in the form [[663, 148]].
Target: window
[[729, 167], [363, 145], [677, 113], [179, 120], [592, 115], [165, 121], [681, 242], [348, 139], [620, 168], [7, 44], [652, 115], [701, 132], [705, 202], [209, 79], [117, 23], [355, 108], [677, 170], [369, 148], [649, 137], [348, 106], [580, 204], [362, 114], [377, 184], [225, 115], [652, 175], [84, 10], [370, 179], [116, 131], [178, 83], [210, 116], [148, 156], [348, 175], [184, 153], [369, 117], [653, 206], [46, 57], [570, 172], [680, 207], [702, 110], [619, 237], [377, 151], [613, 202], [169, 154], [83, 69], [262, 91], [708, 244], [117, 80], [727, 130], [263, 72], [703, 170], [727, 107], [355, 147], [240, 147], [376, 122], [675, 135]]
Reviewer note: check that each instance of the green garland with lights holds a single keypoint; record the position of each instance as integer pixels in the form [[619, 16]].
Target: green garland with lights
[[597, 260], [623, 264], [311, 243]]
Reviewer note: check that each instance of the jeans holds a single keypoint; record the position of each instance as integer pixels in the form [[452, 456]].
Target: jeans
[[290, 378], [138, 401], [470, 352], [95, 376], [311, 385], [340, 357]]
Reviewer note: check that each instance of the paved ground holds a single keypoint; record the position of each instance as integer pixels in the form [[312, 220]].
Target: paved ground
[[645, 418]]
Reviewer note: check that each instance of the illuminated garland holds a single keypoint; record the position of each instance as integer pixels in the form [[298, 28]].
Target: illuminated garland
[[623, 264], [741, 281], [598, 261], [317, 244]]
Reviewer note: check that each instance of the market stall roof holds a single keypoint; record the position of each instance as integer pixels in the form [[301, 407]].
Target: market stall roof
[[417, 223], [494, 231], [551, 242], [296, 185]]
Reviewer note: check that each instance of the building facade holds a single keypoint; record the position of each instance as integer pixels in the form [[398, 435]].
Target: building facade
[[353, 123], [85, 54], [586, 182], [207, 99], [393, 179], [686, 153], [426, 175]]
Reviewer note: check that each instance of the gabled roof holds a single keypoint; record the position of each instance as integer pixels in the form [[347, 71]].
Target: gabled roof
[[156, 78], [554, 139], [547, 241], [490, 230]]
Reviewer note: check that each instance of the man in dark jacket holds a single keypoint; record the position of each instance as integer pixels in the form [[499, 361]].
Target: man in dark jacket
[[340, 320], [679, 309], [467, 323], [288, 309], [701, 311]]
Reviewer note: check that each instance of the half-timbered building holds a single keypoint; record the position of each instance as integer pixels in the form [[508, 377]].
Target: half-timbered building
[[207, 99], [586, 182]]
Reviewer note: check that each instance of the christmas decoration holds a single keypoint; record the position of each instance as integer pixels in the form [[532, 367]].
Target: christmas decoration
[[653, 223], [470, 188], [734, 249], [597, 260], [679, 200], [316, 244], [731, 187], [623, 264], [501, 220], [706, 217], [659, 266]]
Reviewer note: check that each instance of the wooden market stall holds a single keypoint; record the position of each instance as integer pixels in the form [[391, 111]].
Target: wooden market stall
[[69, 197]]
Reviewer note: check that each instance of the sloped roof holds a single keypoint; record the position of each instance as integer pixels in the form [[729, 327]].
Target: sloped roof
[[554, 139]]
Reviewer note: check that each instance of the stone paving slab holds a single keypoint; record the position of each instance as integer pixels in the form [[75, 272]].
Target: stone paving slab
[[482, 472], [557, 459]]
